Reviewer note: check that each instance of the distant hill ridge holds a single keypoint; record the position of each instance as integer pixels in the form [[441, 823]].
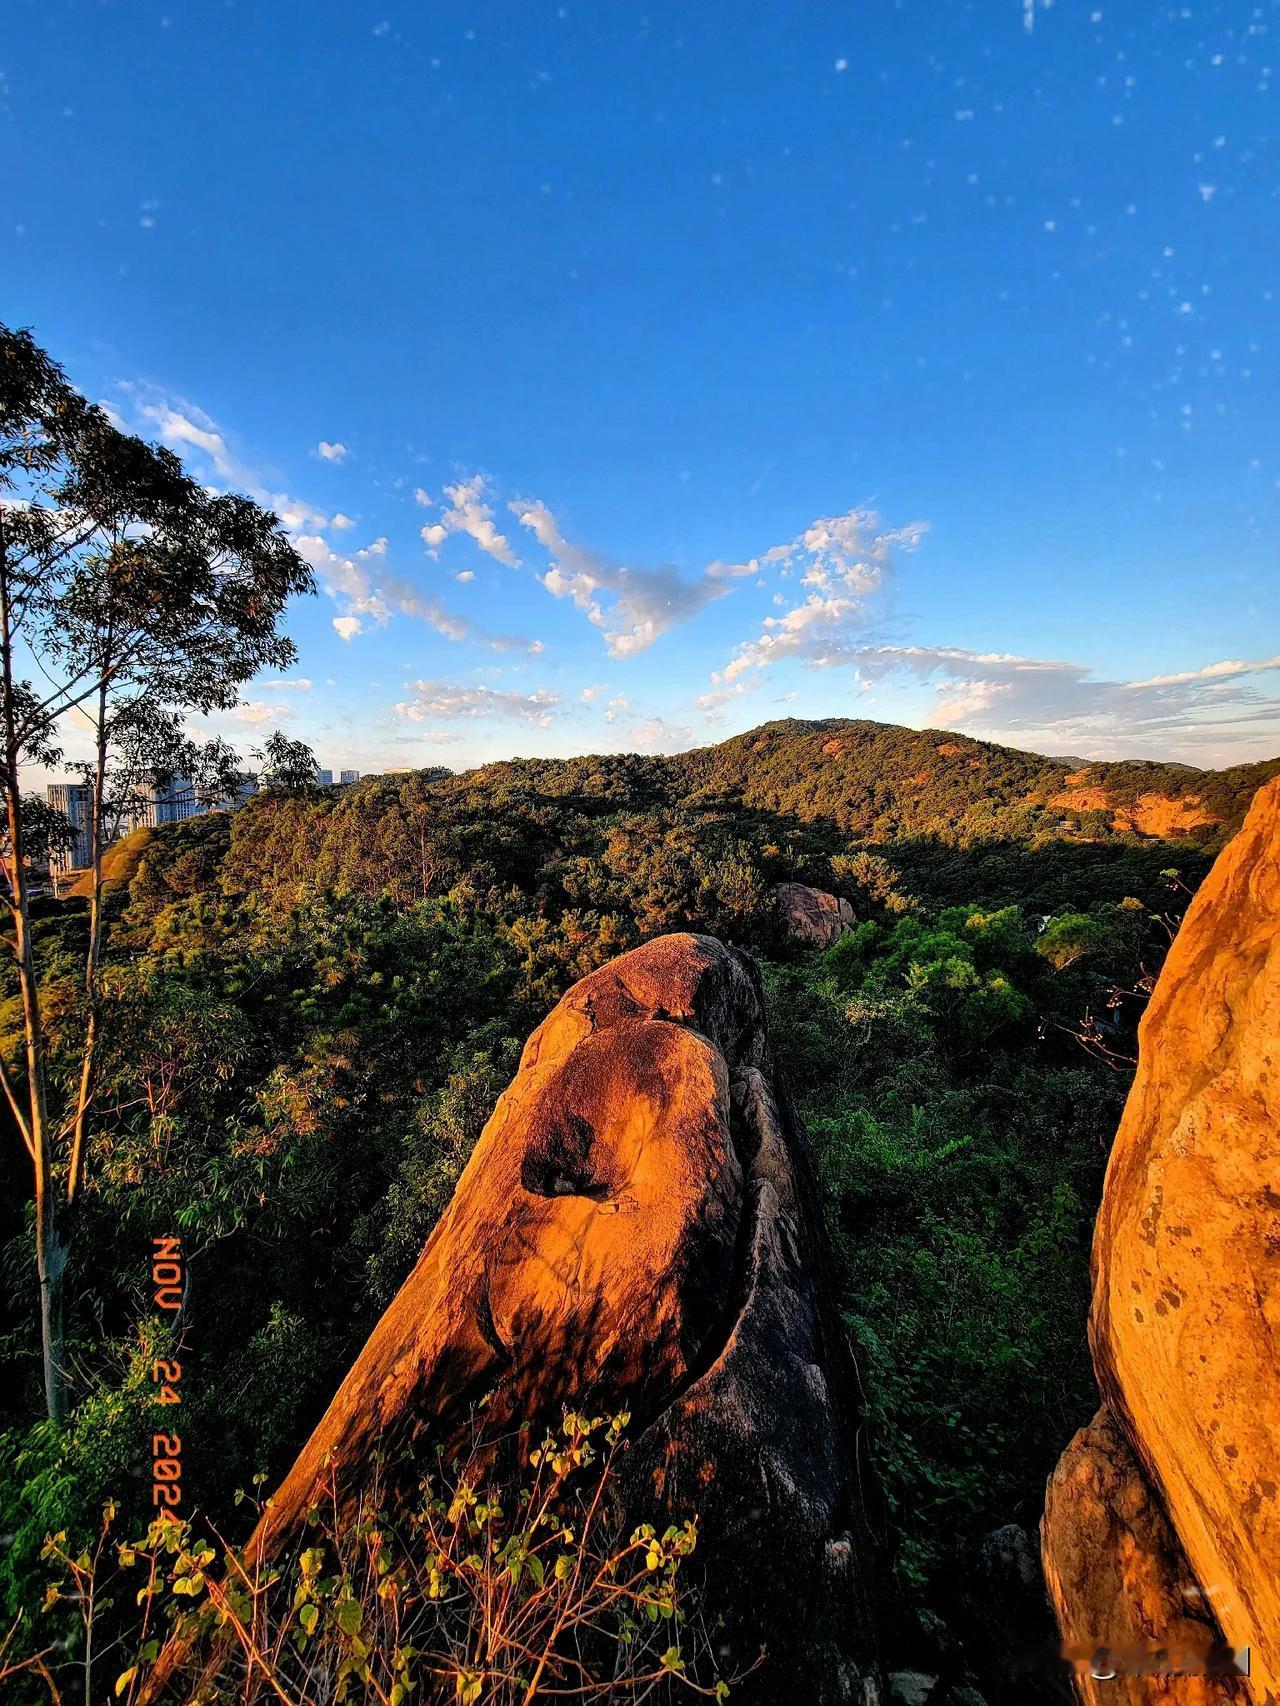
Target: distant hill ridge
[[702, 838], [882, 781]]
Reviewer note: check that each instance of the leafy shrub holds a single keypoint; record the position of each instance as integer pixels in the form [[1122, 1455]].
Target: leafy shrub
[[475, 1593]]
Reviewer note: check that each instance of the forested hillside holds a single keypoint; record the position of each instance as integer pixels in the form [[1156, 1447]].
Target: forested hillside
[[313, 1003]]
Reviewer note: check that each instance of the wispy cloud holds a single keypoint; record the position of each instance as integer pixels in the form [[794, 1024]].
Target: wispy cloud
[[852, 551], [1052, 702], [713, 702], [182, 426], [370, 590], [842, 557], [444, 701], [468, 511], [331, 452], [631, 607], [844, 560], [655, 734], [254, 712]]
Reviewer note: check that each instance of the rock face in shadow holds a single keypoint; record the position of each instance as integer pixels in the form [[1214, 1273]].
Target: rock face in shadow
[[640, 1224], [1186, 1305]]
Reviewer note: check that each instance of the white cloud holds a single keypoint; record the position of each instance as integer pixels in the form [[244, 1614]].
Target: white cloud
[[182, 426], [795, 634], [468, 512], [342, 523], [843, 555], [590, 694], [298, 684], [465, 576], [352, 581], [657, 735], [712, 701], [330, 452], [256, 711], [1063, 706], [348, 627], [1224, 670], [422, 496], [852, 550], [631, 607], [845, 560], [447, 700]]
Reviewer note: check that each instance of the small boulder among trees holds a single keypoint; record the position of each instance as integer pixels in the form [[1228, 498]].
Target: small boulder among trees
[[812, 915]]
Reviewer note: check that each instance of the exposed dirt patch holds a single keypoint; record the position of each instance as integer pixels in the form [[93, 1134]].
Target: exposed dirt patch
[[949, 748], [833, 748], [1149, 814], [1156, 814], [1082, 799]]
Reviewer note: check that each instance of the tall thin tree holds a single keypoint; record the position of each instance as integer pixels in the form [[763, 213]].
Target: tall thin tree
[[129, 596]]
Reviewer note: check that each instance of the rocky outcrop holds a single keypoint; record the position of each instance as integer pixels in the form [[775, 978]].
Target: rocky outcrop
[[1149, 814], [1118, 1577], [813, 915], [639, 1223], [1169, 1506]]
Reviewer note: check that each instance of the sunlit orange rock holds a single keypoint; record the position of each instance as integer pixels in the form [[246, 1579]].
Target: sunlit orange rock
[[1186, 1309], [640, 1223], [1120, 1583]]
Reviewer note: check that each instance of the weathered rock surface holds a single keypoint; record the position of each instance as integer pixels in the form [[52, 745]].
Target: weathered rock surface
[[1118, 1577], [1186, 1306], [640, 1223], [813, 915]]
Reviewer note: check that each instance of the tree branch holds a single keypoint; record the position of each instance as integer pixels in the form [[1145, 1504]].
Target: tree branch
[[15, 1108]]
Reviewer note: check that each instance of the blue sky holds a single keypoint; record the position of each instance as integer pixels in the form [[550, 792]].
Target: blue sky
[[633, 375]]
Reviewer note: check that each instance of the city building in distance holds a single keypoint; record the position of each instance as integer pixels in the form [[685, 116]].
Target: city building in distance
[[150, 804], [75, 801]]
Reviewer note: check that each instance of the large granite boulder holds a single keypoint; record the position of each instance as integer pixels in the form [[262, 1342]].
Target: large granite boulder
[[1186, 1306], [640, 1224]]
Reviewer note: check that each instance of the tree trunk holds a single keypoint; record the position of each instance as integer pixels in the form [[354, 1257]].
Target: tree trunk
[[51, 1249], [88, 1060]]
